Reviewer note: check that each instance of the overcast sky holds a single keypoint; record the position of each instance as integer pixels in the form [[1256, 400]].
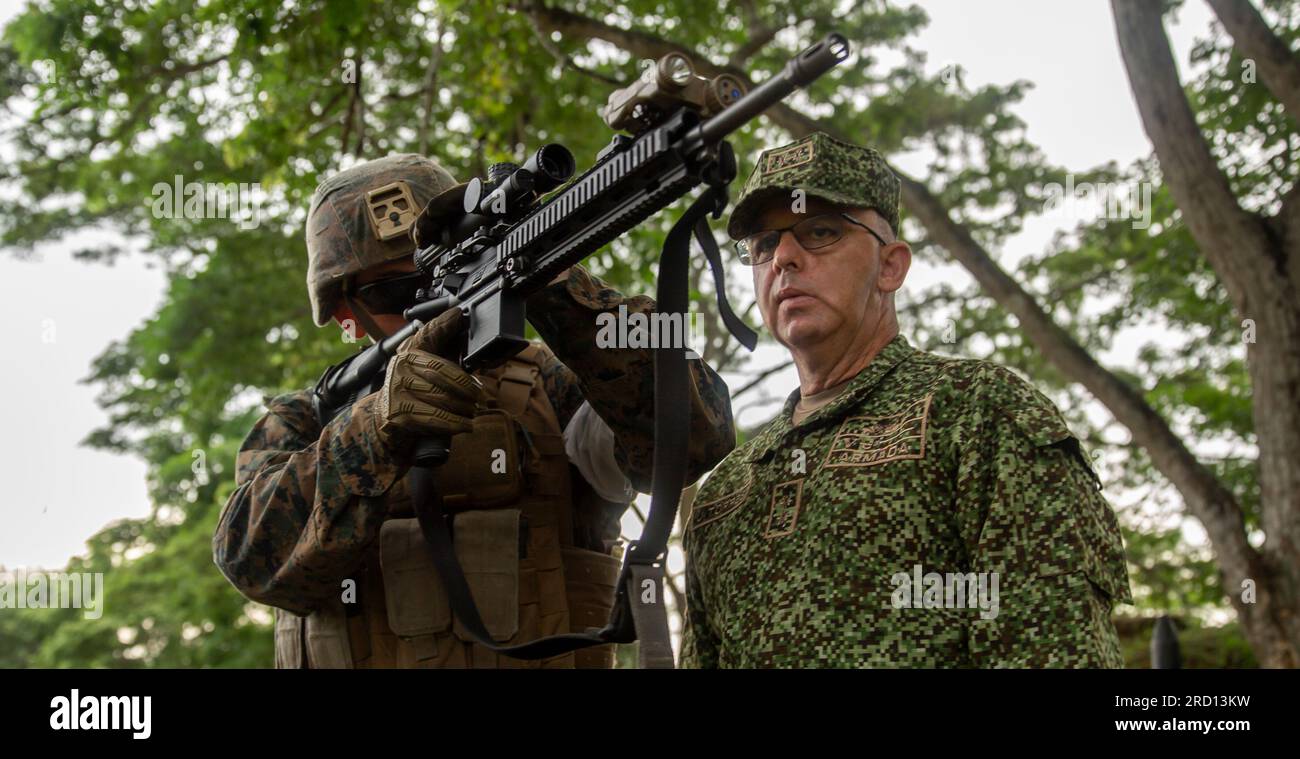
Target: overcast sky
[[61, 314]]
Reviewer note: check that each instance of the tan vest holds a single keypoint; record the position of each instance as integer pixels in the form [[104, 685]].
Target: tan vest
[[509, 485]]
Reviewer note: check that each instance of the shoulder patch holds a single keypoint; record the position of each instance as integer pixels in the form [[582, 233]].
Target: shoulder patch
[[1033, 413]]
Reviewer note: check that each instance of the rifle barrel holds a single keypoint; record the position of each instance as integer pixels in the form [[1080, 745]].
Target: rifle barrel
[[802, 69]]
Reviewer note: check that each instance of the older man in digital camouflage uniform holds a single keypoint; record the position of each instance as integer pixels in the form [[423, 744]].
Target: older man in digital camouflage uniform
[[904, 509], [547, 451]]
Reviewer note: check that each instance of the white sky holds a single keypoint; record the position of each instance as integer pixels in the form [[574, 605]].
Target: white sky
[[1080, 113]]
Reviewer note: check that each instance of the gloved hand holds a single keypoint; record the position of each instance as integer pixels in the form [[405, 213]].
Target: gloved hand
[[424, 393]]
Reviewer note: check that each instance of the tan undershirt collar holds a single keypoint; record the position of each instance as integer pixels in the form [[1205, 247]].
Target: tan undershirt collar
[[808, 404]]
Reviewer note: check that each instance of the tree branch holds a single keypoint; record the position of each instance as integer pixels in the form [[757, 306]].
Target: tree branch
[[323, 123], [636, 42], [758, 378], [565, 60], [360, 101], [348, 115], [1279, 70], [430, 89], [1235, 241], [184, 69], [759, 35]]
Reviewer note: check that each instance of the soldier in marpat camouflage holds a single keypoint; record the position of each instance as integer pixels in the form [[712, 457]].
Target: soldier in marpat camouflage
[[904, 509], [320, 506]]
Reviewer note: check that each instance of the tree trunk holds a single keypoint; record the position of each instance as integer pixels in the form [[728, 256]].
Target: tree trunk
[[1250, 254]]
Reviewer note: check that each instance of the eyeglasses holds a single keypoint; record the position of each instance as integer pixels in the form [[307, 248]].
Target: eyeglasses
[[392, 295], [817, 232]]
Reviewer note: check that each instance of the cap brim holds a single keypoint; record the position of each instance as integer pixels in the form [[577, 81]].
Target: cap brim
[[744, 219]]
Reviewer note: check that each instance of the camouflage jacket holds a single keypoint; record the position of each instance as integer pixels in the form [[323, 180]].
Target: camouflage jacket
[[937, 513], [306, 506]]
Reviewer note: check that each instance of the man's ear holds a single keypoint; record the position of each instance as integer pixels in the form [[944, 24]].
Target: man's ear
[[895, 260], [348, 321]]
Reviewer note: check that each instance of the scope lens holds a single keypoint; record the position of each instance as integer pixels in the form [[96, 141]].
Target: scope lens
[[551, 166]]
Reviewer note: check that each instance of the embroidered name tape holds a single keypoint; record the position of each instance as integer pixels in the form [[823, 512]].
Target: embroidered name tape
[[712, 511], [872, 440], [795, 155]]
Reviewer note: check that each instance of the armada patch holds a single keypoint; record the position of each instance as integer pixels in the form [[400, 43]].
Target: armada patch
[[712, 511], [788, 158], [786, 499], [872, 440]]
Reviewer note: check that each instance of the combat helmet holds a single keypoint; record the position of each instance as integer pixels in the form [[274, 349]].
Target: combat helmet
[[361, 217]]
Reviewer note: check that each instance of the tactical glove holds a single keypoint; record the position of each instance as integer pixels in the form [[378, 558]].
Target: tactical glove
[[424, 393]]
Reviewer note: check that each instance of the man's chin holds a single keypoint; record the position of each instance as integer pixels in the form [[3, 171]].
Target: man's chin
[[801, 333]]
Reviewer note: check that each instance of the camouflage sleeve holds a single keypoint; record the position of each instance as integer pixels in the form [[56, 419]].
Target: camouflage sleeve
[[1031, 511], [303, 511], [619, 382], [699, 649], [562, 387]]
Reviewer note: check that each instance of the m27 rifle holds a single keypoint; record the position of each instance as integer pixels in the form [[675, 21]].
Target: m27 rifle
[[512, 239]]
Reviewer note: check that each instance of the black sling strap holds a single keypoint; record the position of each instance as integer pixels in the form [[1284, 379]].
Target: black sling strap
[[639, 612]]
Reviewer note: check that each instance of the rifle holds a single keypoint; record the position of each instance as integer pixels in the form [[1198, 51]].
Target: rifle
[[511, 241]]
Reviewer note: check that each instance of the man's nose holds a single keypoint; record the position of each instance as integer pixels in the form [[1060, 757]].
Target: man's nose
[[789, 253]]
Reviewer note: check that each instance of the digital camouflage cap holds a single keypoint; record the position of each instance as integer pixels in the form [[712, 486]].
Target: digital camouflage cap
[[822, 167], [361, 217]]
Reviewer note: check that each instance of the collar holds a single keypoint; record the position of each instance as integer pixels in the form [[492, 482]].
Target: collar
[[777, 434]]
